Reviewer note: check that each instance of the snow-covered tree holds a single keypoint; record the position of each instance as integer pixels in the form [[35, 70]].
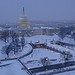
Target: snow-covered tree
[[22, 41], [4, 36], [66, 56]]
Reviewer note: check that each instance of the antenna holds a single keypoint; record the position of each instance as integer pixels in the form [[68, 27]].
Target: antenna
[[23, 10]]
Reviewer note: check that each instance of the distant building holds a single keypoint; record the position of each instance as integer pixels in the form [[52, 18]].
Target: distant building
[[23, 21]]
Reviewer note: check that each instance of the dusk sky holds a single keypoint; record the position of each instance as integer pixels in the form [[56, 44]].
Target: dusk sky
[[44, 10]]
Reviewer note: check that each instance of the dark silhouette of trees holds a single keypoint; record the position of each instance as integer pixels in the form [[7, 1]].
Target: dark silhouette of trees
[[3, 50], [73, 36], [64, 31], [22, 41], [67, 56], [5, 36]]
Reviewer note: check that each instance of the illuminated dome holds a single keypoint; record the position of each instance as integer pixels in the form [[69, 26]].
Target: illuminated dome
[[23, 21]]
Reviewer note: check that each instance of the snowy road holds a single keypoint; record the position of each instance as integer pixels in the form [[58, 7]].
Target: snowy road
[[51, 67]]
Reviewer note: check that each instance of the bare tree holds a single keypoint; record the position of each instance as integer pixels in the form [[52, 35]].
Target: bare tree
[[22, 41]]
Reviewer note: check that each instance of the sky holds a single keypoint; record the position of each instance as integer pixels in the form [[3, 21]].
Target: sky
[[37, 10]]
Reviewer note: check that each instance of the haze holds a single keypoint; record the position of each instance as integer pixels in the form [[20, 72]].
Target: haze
[[44, 10]]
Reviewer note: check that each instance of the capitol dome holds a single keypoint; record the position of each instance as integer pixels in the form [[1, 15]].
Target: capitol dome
[[23, 21]]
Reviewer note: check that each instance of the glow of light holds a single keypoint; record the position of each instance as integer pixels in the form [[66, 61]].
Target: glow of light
[[20, 32], [46, 58], [23, 24], [46, 69], [14, 55], [57, 53], [32, 31], [28, 68], [62, 63]]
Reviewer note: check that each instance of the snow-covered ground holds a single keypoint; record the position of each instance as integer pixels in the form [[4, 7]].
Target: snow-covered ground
[[41, 38], [13, 69], [27, 48], [68, 40], [33, 60], [61, 48], [1, 45], [67, 73]]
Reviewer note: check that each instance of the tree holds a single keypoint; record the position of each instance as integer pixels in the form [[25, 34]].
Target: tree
[[3, 51], [7, 51], [45, 61], [4, 36], [73, 35], [22, 41], [66, 55], [15, 41]]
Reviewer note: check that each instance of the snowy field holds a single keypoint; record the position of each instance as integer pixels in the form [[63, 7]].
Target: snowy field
[[61, 48], [13, 69], [41, 38], [67, 73], [33, 60]]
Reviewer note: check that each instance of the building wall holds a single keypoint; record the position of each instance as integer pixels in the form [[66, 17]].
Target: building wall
[[30, 32]]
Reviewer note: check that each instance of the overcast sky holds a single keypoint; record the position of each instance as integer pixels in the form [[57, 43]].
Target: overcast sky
[[44, 10]]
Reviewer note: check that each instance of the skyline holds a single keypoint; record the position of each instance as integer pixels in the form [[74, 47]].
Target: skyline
[[37, 10]]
